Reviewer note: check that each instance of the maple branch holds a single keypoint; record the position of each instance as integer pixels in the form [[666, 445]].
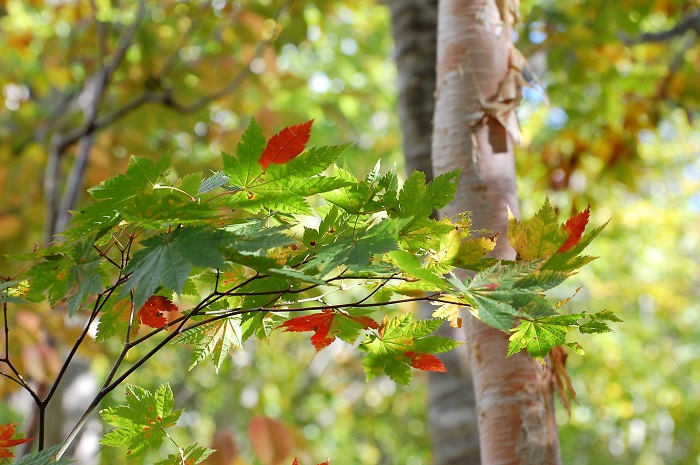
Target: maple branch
[[104, 255], [6, 359], [108, 386], [99, 304]]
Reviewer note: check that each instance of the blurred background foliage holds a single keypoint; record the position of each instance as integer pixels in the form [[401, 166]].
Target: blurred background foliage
[[619, 133]]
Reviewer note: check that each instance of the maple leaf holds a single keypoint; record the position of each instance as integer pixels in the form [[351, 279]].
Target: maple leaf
[[141, 423], [214, 339], [7, 439], [153, 311], [425, 362], [286, 145], [192, 455], [574, 228], [329, 324], [114, 318], [449, 311], [402, 344], [43, 457]]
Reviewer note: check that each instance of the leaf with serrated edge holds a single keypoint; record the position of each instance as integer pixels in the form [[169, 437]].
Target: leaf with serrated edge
[[141, 423], [398, 336], [286, 145]]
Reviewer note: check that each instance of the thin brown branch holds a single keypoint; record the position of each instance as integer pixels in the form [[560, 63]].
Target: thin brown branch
[[74, 181]]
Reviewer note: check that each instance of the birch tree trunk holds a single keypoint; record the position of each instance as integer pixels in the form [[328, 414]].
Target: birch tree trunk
[[451, 408], [475, 129]]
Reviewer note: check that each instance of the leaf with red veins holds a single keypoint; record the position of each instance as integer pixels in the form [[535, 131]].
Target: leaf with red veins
[[574, 228], [153, 311], [286, 145], [330, 324], [425, 362], [7, 439]]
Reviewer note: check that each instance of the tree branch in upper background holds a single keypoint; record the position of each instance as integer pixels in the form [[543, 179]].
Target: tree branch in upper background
[[690, 23]]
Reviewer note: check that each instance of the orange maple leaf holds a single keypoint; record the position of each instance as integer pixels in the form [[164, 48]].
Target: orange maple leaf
[[321, 324], [575, 227], [286, 145], [153, 311], [6, 440], [425, 362]]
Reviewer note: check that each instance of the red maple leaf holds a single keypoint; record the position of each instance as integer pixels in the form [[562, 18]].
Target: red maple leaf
[[296, 462], [153, 311], [6, 440], [574, 227], [286, 145], [425, 362], [321, 324]]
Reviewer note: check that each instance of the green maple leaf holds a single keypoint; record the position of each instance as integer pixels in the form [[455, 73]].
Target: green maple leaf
[[394, 349], [540, 237], [359, 198], [155, 210], [571, 259], [422, 233], [141, 174], [191, 455], [538, 337], [355, 248], [73, 276], [166, 260], [114, 319], [287, 195], [410, 264], [506, 290], [96, 219], [141, 423], [213, 340], [243, 169], [44, 457], [417, 198]]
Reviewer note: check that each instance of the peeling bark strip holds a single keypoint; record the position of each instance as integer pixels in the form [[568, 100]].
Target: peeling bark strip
[[478, 83]]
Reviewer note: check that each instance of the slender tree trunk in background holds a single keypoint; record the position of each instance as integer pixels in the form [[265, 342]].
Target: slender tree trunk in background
[[453, 425], [473, 109]]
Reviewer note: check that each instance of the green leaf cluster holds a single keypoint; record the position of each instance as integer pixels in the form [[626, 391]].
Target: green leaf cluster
[[141, 423], [243, 251]]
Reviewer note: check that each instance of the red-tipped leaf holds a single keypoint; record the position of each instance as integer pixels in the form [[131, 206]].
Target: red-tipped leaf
[[286, 145], [426, 362], [328, 325], [574, 228]]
